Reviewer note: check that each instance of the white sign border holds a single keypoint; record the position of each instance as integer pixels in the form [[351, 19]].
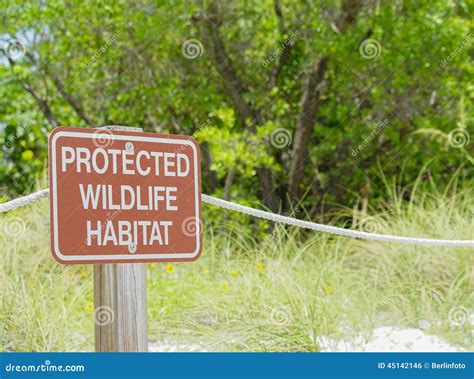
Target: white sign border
[[120, 257]]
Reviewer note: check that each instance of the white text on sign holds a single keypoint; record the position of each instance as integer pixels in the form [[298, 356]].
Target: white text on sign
[[105, 197]]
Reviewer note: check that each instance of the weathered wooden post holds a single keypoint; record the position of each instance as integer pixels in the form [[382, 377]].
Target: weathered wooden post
[[120, 319], [120, 307]]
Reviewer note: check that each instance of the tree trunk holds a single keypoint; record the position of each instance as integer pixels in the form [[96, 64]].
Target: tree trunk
[[309, 105], [235, 88], [209, 175]]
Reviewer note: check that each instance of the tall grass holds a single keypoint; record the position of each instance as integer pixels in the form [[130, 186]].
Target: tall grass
[[281, 292]]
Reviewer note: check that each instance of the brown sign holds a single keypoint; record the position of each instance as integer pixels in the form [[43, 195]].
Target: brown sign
[[121, 196]]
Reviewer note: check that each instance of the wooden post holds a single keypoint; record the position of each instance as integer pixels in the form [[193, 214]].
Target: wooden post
[[120, 302], [120, 307]]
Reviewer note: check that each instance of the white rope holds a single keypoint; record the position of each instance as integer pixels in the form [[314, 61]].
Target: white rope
[[5, 207], [333, 229], [25, 200]]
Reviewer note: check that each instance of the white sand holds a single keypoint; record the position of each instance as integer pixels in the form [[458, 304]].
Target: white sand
[[381, 339], [389, 339], [168, 346]]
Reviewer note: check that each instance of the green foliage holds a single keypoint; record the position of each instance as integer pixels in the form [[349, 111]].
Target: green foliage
[[124, 63]]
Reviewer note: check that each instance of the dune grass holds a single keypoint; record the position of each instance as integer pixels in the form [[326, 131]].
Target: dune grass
[[279, 293]]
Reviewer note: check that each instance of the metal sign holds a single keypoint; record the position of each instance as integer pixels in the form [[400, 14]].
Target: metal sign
[[121, 196]]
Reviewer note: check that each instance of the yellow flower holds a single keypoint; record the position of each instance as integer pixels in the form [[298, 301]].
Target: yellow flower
[[82, 273], [225, 287], [152, 266], [89, 307], [234, 273], [206, 271], [328, 289], [169, 268], [260, 266]]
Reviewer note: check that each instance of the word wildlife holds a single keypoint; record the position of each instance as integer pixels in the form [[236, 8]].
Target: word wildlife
[[126, 197]]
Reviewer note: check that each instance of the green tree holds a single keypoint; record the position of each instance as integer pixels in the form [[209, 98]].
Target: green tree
[[293, 102]]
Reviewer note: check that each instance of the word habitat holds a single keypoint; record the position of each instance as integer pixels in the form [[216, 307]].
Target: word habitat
[[125, 233], [124, 196]]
